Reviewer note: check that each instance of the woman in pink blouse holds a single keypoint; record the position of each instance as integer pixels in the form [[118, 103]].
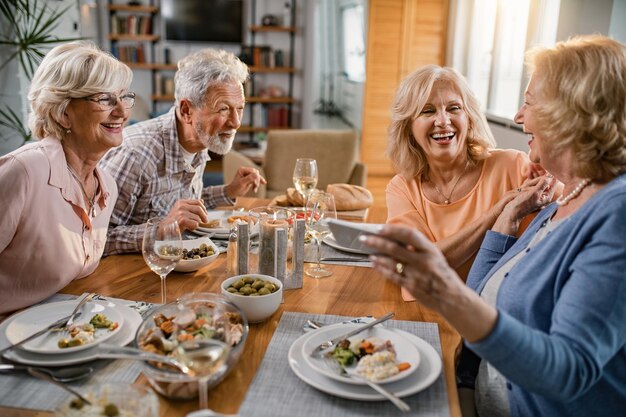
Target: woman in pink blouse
[[452, 183], [55, 202]]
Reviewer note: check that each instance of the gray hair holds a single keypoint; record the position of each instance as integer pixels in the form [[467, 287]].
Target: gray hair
[[201, 70], [68, 71]]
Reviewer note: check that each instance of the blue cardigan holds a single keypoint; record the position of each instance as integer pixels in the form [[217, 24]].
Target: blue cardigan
[[560, 338]]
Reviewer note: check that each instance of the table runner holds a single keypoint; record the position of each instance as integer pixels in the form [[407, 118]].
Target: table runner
[[292, 397], [20, 390]]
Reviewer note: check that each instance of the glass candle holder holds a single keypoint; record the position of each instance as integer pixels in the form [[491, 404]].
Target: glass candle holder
[[267, 248]]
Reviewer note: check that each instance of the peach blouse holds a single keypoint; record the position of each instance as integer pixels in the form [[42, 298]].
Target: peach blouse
[[47, 238], [502, 171]]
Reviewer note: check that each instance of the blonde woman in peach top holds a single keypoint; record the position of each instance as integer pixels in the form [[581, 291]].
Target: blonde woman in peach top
[[452, 183]]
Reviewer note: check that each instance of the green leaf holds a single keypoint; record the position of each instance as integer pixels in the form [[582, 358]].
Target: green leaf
[[11, 120]]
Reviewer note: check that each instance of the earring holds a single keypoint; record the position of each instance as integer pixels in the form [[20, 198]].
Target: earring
[[68, 131]]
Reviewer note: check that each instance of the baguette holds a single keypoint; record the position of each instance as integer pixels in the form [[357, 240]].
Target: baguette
[[350, 197]]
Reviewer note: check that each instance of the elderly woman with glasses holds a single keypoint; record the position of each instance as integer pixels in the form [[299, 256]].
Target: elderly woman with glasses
[[55, 201]]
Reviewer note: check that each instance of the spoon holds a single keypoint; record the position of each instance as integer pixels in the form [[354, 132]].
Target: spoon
[[70, 374]]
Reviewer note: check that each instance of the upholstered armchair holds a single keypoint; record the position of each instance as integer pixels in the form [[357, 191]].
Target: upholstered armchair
[[336, 153]]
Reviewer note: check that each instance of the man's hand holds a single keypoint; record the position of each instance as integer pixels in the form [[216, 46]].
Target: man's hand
[[245, 178], [188, 213]]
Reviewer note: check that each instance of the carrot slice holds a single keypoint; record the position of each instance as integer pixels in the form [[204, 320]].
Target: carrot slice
[[403, 366]]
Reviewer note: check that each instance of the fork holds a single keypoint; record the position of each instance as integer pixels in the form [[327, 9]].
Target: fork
[[74, 313], [336, 367]]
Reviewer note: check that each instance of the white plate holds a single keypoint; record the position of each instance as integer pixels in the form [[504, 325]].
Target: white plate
[[427, 372], [405, 351], [30, 321], [132, 320], [330, 241], [223, 230]]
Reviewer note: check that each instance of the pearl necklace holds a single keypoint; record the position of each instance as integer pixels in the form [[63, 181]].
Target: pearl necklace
[[446, 200], [90, 201], [562, 201]]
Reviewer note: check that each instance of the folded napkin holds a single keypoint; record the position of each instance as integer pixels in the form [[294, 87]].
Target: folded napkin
[[347, 197]]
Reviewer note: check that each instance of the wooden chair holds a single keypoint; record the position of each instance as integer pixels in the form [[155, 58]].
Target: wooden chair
[[336, 153]]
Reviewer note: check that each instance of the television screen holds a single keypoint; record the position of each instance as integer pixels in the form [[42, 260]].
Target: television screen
[[203, 20]]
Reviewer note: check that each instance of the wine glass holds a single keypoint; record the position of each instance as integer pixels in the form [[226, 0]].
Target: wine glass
[[204, 353], [162, 248], [305, 177], [319, 209]]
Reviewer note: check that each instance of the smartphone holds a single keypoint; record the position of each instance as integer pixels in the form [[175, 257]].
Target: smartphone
[[347, 233]]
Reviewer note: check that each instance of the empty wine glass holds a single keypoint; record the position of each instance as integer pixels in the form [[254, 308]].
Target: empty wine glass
[[162, 248], [319, 209], [305, 177]]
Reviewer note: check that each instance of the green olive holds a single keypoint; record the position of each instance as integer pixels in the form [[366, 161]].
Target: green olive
[[248, 280], [264, 291], [258, 284], [238, 284]]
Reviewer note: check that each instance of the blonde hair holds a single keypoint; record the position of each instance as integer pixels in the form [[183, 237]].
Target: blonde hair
[[203, 69], [582, 105], [411, 96], [68, 71]]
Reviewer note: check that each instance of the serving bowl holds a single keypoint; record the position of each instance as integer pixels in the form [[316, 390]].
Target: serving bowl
[[256, 307], [227, 320], [190, 265], [129, 400]]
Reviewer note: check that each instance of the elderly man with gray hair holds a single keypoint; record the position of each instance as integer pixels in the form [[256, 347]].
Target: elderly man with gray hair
[[159, 166]]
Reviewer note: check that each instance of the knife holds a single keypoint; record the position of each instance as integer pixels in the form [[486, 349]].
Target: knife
[[57, 324], [333, 259], [330, 343]]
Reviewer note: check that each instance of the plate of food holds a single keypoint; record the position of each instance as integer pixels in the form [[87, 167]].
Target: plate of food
[[428, 371], [377, 354], [220, 222], [99, 321], [125, 335]]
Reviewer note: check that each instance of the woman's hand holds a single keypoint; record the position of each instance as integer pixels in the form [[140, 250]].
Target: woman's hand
[[408, 258], [533, 195]]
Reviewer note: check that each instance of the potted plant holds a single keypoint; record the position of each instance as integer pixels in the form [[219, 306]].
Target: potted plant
[[28, 34]]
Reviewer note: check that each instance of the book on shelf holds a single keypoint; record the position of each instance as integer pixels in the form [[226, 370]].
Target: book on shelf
[[129, 53], [131, 25], [257, 56]]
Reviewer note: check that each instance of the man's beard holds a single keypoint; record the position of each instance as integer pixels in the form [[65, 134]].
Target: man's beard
[[215, 143]]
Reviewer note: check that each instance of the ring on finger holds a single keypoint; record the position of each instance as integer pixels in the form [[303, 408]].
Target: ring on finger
[[519, 189], [400, 268]]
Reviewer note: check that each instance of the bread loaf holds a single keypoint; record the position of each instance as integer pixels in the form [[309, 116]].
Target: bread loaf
[[350, 197]]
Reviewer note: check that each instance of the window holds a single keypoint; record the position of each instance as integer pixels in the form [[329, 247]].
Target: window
[[353, 35], [498, 32]]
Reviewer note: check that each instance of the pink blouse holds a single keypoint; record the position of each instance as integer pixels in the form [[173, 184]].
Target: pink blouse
[[47, 239]]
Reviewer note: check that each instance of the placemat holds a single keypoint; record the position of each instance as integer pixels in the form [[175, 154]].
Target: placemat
[[292, 397], [20, 390]]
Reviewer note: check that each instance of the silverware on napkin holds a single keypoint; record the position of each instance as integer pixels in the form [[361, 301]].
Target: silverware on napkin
[[330, 343]]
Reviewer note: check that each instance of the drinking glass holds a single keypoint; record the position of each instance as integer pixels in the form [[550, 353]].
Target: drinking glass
[[205, 354], [319, 209], [162, 248], [305, 177]]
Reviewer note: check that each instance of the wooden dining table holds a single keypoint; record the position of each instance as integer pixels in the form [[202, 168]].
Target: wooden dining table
[[349, 291]]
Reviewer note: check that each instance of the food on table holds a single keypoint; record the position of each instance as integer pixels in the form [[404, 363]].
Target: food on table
[[211, 224], [198, 253], [238, 218], [200, 323], [375, 357], [169, 250], [252, 287], [82, 334], [79, 408]]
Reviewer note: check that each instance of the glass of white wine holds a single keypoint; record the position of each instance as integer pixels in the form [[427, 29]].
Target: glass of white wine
[[319, 209], [162, 248], [305, 177]]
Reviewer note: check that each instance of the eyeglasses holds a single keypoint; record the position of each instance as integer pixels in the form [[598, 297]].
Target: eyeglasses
[[108, 101]]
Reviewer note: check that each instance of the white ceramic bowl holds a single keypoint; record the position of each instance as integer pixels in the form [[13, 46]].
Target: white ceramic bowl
[[190, 265], [256, 308], [130, 400]]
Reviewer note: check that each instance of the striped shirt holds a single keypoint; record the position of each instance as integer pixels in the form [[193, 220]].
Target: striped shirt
[[151, 175]]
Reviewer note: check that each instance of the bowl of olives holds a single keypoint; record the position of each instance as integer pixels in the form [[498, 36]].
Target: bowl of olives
[[258, 296], [197, 253]]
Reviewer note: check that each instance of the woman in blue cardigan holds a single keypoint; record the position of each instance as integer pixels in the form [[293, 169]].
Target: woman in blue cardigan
[[545, 312]]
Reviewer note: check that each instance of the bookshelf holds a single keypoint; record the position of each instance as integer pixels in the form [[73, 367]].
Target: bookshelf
[[269, 108], [133, 34]]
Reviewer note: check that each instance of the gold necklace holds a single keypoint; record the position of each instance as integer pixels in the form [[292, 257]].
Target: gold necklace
[[446, 200], [90, 201]]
